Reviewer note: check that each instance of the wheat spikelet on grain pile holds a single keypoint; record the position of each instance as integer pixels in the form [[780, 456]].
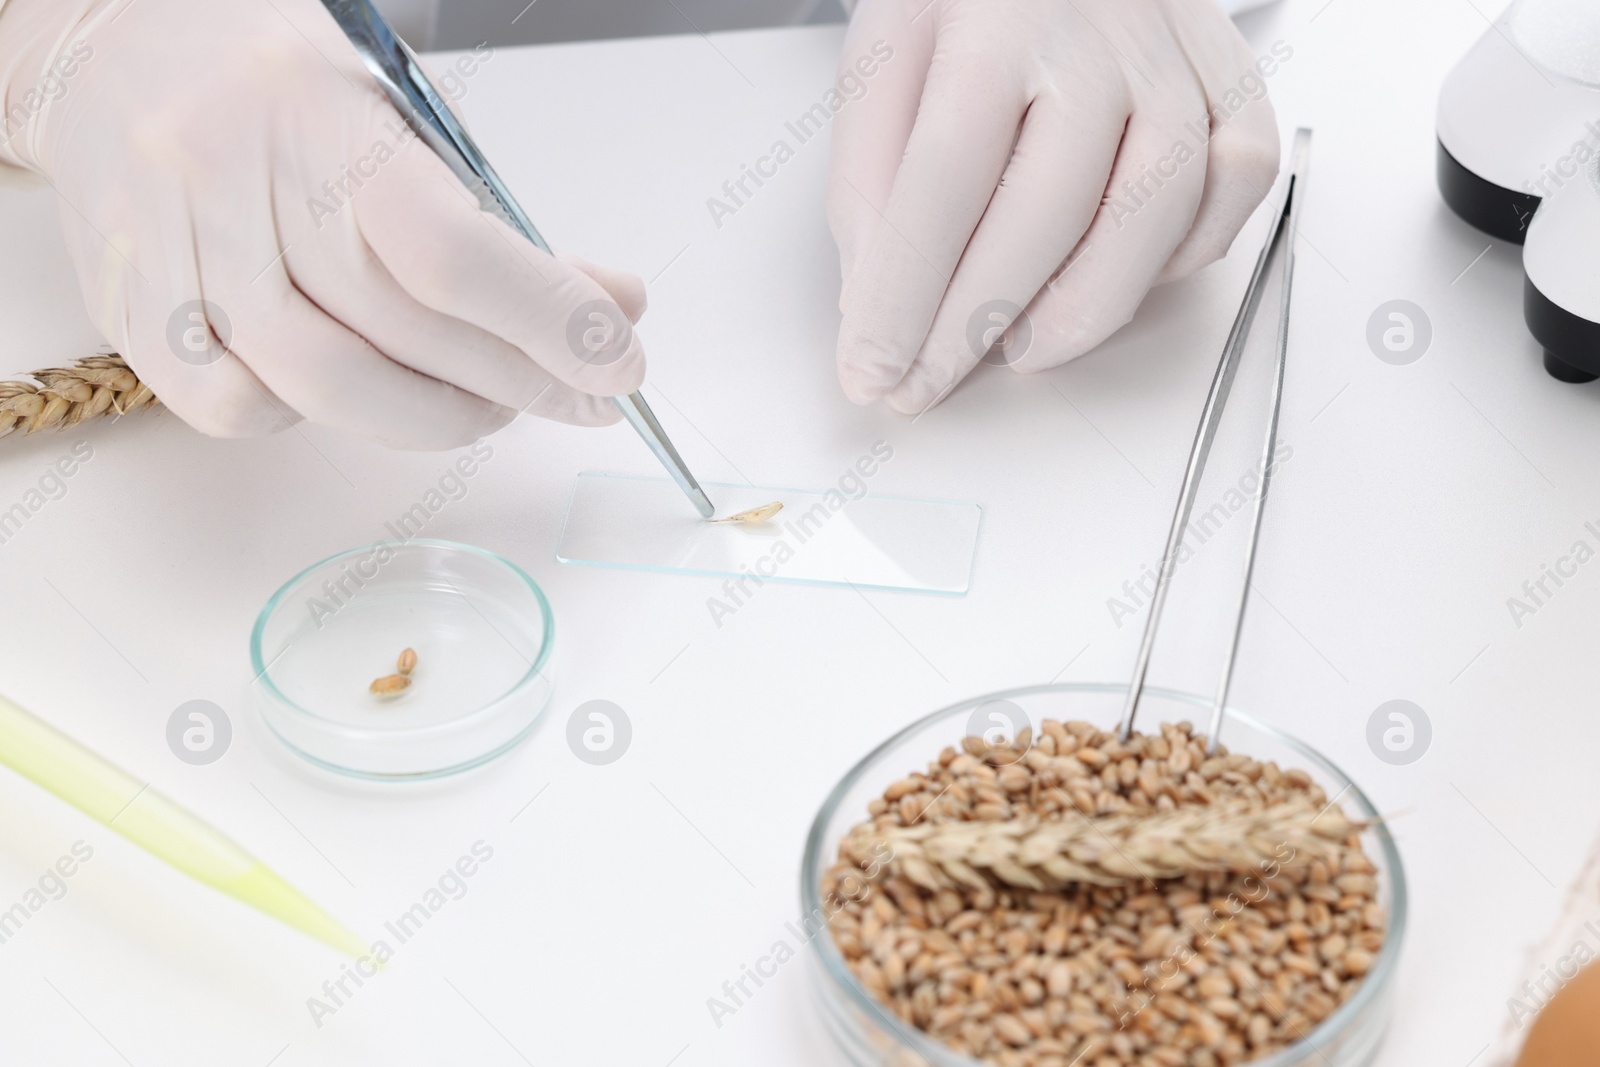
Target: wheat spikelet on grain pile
[[66, 396], [1031, 854]]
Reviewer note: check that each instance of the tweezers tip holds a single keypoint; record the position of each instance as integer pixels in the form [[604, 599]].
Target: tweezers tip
[[1300, 151]]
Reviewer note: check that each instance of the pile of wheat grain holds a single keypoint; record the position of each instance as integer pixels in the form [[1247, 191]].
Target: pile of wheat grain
[[1073, 899]]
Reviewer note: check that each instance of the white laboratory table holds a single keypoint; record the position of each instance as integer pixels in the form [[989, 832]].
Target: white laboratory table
[[620, 897]]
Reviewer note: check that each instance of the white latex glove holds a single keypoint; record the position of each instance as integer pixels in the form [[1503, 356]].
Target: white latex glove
[[987, 160], [197, 148]]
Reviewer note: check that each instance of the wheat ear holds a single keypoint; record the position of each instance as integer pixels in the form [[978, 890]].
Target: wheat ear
[[1112, 850], [66, 396]]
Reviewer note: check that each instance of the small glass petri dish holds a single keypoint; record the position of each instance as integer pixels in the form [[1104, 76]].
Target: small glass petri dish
[[871, 1035], [482, 632]]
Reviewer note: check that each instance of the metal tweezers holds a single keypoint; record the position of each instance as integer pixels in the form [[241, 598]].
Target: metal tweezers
[[395, 68], [1283, 230]]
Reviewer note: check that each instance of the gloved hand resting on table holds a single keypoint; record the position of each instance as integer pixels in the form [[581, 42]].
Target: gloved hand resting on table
[[238, 153], [1061, 156]]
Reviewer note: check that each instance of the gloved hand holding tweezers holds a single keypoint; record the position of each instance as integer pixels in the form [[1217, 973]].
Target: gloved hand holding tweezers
[[239, 154]]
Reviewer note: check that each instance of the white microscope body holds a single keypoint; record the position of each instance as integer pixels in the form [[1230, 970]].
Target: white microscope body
[[1519, 158]]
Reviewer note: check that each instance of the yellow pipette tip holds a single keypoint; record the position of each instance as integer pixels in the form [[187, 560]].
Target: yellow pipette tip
[[264, 890], [161, 827]]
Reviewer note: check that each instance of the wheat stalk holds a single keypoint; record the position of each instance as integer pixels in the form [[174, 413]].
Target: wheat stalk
[[66, 396], [1044, 855]]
